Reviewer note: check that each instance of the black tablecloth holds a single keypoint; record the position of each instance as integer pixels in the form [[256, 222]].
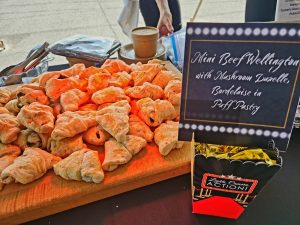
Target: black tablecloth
[[169, 203]]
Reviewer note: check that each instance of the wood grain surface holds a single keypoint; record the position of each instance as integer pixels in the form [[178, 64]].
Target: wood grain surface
[[52, 194]]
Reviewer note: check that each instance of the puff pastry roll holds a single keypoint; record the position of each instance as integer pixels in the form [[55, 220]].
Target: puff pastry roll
[[118, 107], [98, 82], [9, 128], [115, 154], [29, 138], [144, 73], [5, 96], [83, 165], [37, 117], [166, 137], [88, 107], [120, 79], [163, 78], [68, 124], [153, 113], [72, 99], [115, 65], [12, 106], [116, 124], [85, 74], [27, 95], [4, 110], [31, 165], [173, 92], [8, 153], [96, 136], [67, 146], [109, 95], [134, 144], [147, 90], [137, 127]]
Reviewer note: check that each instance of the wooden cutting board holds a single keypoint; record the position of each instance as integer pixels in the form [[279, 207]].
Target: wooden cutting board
[[52, 194]]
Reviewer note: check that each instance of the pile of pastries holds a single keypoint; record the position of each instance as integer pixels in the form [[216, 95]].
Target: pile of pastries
[[54, 121]]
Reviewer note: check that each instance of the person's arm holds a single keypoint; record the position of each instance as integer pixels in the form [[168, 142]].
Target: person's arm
[[165, 19]]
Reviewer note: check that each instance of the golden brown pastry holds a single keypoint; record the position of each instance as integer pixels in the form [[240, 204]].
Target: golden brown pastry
[[153, 113], [57, 109], [55, 87], [12, 106], [117, 107], [115, 154], [68, 124], [109, 95], [8, 153], [31, 165], [9, 128], [88, 107], [98, 82], [120, 79], [147, 90], [37, 117], [116, 124], [163, 78], [81, 165], [26, 96], [4, 110], [166, 137], [173, 92], [144, 73], [134, 144], [5, 96], [96, 136], [137, 127], [115, 66], [66, 146], [85, 74], [72, 99], [29, 138]]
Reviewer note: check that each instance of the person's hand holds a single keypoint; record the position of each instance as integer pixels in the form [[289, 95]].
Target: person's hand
[[165, 23]]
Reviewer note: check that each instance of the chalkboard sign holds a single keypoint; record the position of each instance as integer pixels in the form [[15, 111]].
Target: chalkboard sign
[[228, 184], [240, 83]]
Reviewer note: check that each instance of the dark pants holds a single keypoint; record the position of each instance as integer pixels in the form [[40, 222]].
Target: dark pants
[[260, 10], [150, 12]]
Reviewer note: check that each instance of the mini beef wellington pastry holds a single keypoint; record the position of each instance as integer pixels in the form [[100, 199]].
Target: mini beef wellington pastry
[[55, 86], [88, 107], [115, 154], [72, 99], [5, 96], [147, 90], [109, 95], [98, 82], [120, 79], [96, 136], [134, 144], [68, 124], [29, 138], [115, 66], [4, 110], [37, 117], [66, 146], [116, 124], [13, 107], [166, 137], [144, 73], [83, 165], [173, 92], [27, 95], [85, 74], [9, 128], [138, 128], [163, 78], [117, 107], [30, 166], [153, 113]]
